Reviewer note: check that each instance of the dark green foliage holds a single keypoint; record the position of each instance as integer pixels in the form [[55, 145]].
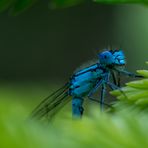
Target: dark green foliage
[[21, 5], [18, 6], [64, 3], [120, 1], [5, 4]]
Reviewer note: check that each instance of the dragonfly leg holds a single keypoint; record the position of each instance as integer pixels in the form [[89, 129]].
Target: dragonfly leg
[[119, 80], [95, 88], [114, 77], [77, 109], [98, 101], [130, 74], [113, 87], [103, 91]]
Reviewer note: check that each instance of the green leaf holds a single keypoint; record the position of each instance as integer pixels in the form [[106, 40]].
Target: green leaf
[[141, 84], [5, 4], [143, 73], [135, 93], [103, 130], [22, 5], [64, 3], [121, 1]]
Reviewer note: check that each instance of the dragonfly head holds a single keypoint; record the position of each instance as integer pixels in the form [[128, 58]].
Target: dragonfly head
[[118, 57], [112, 57], [106, 57]]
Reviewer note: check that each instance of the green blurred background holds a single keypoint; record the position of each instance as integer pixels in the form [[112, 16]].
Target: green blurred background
[[41, 48]]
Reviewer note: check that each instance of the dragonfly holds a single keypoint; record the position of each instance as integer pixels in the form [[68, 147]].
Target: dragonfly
[[105, 72]]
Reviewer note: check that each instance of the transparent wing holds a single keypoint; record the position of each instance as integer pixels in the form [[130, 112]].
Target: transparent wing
[[51, 104]]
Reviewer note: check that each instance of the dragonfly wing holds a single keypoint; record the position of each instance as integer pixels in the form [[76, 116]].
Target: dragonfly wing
[[52, 103]]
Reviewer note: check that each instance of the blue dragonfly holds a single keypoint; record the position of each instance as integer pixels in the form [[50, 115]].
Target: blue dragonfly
[[106, 72]]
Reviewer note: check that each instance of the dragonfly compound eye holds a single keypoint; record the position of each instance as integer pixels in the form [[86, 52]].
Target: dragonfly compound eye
[[119, 58], [106, 58]]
